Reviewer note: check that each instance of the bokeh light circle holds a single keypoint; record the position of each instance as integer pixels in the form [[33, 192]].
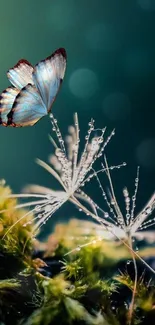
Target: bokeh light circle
[[83, 83], [116, 106], [102, 37], [145, 153]]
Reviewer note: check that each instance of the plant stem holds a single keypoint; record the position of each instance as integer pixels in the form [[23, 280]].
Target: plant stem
[[131, 308]]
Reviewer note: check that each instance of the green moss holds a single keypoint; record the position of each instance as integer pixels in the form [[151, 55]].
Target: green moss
[[14, 240], [59, 304]]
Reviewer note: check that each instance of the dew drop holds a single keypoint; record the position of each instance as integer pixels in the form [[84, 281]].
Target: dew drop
[[148, 210], [37, 208], [126, 305]]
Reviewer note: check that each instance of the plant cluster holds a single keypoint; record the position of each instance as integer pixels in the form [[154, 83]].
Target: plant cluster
[[74, 278], [45, 284]]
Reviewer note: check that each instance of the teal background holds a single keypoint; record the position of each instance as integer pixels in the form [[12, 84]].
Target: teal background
[[110, 76]]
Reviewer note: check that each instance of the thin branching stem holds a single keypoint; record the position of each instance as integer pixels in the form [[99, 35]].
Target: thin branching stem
[[131, 308], [86, 210]]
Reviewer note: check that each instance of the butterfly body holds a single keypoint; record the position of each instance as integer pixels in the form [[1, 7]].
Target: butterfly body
[[33, 90]]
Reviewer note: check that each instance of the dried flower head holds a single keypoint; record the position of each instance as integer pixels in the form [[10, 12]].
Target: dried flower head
[[128, 224], [70, 168]]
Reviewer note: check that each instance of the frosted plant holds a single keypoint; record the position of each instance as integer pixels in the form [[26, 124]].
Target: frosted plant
[[123, 226], [73, 170], [128, 225], [70, 168]]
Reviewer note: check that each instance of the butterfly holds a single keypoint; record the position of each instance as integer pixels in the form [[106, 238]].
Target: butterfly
[[33, 90]]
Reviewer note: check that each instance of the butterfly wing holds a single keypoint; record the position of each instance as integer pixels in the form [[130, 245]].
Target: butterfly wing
[[27, 108], [7, 99], [21, 74], [48, 75], [35, 90]]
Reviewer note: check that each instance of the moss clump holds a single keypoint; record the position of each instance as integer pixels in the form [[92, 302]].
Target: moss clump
[[14, 238]]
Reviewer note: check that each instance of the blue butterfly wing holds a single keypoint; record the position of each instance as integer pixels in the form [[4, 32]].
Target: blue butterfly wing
[[34, 90], [7, 99], [21, 74], [48, 75], [27, 108]]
